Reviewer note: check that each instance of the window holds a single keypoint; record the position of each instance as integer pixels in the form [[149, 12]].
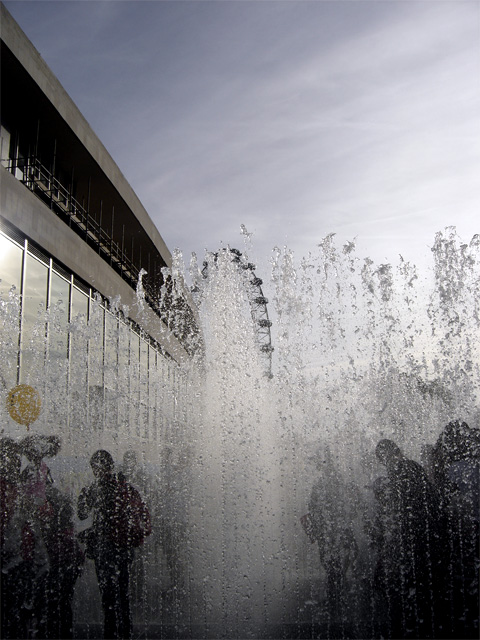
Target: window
[[88, 363], [11, 258], [5, 147], [59, 317], [79, 342], [33, 318], [11, 261]]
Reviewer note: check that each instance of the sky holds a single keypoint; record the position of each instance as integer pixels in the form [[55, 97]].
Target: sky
[[293, 118]]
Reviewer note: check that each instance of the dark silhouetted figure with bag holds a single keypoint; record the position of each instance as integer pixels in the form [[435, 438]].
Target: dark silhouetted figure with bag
[[120, 523]]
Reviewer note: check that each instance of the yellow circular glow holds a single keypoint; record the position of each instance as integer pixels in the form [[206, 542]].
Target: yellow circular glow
[[24, 404]]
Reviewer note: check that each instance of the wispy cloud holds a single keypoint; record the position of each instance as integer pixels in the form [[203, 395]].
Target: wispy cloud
[[296, 119]]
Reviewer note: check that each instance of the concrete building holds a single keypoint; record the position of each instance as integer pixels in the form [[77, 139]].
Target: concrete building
[[73, 231]]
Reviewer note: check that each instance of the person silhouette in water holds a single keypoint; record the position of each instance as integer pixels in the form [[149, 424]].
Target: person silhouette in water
[[331, 517], [121, 520], [416, 517], [112, 561], [457, 474]]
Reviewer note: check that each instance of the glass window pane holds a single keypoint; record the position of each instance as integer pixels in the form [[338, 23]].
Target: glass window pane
[[79, 343], [11, 257], [96, 406], [110, 370], [144, 366], [123, 350], [111, 408], [96, 403], [79, 306], [144, 388], [111, 340], [60, 294], [33, 321], [152, 379], [124, 374], [135, 381], [59, 316], [95, 348], [5, 147], [134, 363], [152, 374]]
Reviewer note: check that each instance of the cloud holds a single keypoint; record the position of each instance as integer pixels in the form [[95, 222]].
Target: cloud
[[296, 119], [382, 125]]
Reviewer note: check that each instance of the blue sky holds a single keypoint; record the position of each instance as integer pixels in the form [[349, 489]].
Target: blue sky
[[293, 118]]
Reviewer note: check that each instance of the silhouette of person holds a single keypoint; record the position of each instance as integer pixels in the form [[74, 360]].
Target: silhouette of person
[[10, 465], [13, 624], [111, 561], [457, 455], [135, 475], [457, 452], [385, 536], [111, 543], [330, 527], [66, 561], [35, 483], [413, 524], [36, 476]]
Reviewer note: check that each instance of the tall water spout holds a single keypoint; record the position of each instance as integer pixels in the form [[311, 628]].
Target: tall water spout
[[238, 490]]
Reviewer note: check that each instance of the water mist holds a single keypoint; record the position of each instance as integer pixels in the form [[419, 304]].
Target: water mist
[[228, 455]]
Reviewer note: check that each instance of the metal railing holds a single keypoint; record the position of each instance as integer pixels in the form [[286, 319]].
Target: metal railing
[[42, 182], [38, 179]]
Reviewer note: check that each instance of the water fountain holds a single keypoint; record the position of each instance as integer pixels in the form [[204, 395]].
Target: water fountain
[[362, 352]]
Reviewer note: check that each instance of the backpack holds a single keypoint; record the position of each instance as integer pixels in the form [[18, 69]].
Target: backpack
[[131, 522]]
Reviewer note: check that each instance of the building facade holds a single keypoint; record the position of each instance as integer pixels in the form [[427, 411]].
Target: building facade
[[84, 272]]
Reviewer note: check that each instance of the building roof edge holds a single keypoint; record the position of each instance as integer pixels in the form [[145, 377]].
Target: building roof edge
[[21, 47]]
